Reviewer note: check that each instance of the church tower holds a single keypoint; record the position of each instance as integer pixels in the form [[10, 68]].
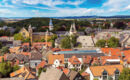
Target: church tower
[[51, 25], [72, 29], [30, 34]]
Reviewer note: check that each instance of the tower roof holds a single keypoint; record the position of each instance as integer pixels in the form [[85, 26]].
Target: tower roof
[[50, 23]]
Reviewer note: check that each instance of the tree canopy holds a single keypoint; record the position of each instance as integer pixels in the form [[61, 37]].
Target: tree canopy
[[68, 42], [125, 75], [18, 36], [101, 43], [112, 42]]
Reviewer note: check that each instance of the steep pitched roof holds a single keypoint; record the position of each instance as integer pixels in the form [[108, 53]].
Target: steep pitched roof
[[20, 57], [53, 74], [53, 57], [87, 59], [74, 60], [23, 72], [97, 70], [35, 55], [41, 65]]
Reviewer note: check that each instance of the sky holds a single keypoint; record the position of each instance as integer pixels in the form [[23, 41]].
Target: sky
[[62, 8]]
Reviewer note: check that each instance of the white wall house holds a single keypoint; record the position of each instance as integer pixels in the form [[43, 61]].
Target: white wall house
[[56, 63], [108, 72]]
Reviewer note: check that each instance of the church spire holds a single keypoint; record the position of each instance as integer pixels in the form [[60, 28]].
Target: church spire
[[51, 25], [30, 34], [73, 29], [46, 37]]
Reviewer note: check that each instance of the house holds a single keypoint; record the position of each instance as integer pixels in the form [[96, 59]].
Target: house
[[53, 74], [110, 60], [41, 65], [14, 78], [56, 60], [125, 42], [87, 60], [73, 75], [17, 59], [6, 38], [17, 43], [74, 63], [58, 42], [86, 41], [24, 72], [35, 58], [104, 72]]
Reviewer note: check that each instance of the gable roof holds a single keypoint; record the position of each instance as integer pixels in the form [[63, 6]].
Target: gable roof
[[35, 55], [53, 57], [20, 57], [23, 72], [72, 74], [53, 74], [97, 70], [74, 60], [41, 65]]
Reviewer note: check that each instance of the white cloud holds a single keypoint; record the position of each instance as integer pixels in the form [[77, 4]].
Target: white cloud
[[127, 7], [116, 5]]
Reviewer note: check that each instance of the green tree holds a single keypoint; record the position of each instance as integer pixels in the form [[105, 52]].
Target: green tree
[[73, 40], [4, 50], [41, 70], [5, 69], [26, 40], [101, 43], [18, 36], [66, 43], [113, 42], [15, 67], [125, 75]]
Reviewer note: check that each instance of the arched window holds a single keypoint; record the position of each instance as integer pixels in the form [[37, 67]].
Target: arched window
[[117, 74], [104, 75]]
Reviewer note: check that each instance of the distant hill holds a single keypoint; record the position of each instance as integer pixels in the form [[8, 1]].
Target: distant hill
[[107, 17]]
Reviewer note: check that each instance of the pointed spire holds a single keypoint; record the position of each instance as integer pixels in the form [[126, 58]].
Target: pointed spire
[[51, 25], [46, 37], [73, 29]]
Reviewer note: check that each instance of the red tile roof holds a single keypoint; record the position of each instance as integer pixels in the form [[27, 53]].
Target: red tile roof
[[66, 49], [41, 65], [66, 71], [97, 70], [53, 57], [85, 74], [38, 44], [87, 59], [74, 60]]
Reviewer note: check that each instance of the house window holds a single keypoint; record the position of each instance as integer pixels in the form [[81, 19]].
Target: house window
[[104, 75], [35, 64], [117, 74]]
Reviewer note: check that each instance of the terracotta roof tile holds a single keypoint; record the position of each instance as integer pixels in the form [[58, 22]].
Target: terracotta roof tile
[[85, 74], [41, 65], [97, 70], [53, 57], [74, 60]]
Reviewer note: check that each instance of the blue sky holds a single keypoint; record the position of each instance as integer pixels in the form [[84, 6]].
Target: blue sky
[[58, 8]]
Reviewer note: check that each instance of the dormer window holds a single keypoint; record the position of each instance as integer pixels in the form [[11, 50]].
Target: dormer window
[[117, 74], [104, 75]]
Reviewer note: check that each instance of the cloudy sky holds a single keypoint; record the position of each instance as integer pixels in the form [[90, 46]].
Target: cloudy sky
[[57, 8]]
